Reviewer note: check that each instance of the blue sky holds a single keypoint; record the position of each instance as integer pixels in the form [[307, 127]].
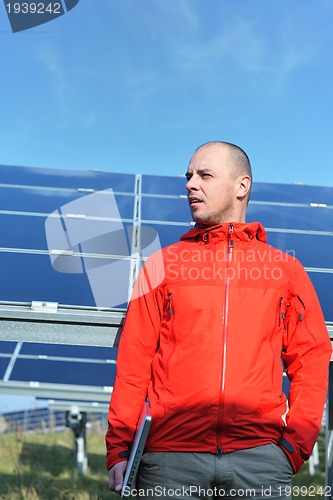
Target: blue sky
[[136, 85]]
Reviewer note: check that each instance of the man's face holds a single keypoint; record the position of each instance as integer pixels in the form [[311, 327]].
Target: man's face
[[211, 187]]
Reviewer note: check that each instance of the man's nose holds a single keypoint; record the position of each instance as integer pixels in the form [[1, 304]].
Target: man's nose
[[192, 183]]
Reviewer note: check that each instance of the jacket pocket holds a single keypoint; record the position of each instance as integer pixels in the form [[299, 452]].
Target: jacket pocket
[[284, 305], [277, 450], [169, 313]]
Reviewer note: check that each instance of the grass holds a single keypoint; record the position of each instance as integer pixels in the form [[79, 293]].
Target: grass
[[311, 487], [42, 466]]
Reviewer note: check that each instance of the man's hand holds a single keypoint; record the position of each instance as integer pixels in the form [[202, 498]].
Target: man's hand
[[116, 476]]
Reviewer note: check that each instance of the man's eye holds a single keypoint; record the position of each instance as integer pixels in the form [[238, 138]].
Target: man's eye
[[205, 175]]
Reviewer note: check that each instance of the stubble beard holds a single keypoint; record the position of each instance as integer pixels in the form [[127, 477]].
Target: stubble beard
[[213, 219]]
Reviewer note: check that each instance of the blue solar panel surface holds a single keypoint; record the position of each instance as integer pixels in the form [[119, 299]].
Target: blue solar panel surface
[[303, 218], [65, 179], [298, 219], [62, 372]]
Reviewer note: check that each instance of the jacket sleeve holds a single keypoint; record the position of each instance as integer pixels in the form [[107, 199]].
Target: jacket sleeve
[[137, 346], [306, 355]]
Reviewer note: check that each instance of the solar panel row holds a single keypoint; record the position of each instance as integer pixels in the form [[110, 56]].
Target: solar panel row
[[75, 238]]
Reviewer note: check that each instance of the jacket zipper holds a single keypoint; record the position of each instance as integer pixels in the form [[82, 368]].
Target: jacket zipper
[[225, 334]]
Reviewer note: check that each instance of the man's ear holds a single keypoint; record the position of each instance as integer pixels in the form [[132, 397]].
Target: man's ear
[[244, 186]]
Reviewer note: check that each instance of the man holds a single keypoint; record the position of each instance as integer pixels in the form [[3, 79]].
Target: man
[[208, 342]]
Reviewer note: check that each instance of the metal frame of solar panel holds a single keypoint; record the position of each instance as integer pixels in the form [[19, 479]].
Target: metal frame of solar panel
[[72, 244]]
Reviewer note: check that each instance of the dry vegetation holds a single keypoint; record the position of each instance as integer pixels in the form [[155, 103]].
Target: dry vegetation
[[42, 466]]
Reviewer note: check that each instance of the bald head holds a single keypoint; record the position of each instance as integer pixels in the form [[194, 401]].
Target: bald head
[[219, 180], [239, 161]]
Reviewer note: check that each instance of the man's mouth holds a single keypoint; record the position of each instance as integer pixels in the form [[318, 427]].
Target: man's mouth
[[193, 200]]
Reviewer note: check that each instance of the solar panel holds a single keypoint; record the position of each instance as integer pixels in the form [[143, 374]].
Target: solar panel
[[163, 185], [304, 218], [293, 193], [165, 209], [54, 371], [72, 244], [69, 179]]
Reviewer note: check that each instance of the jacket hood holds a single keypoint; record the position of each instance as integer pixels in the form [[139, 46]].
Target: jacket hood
[[243, 231]]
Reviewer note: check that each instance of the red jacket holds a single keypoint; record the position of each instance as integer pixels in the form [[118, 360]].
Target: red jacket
[[207, 334]]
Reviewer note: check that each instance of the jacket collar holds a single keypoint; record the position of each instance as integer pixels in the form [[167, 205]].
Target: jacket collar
[[241, 231]]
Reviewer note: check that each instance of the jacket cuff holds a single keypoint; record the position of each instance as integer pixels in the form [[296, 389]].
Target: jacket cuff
[[293, 455], [113, 458]]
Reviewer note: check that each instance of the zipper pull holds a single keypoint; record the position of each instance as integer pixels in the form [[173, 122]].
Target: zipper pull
[[283, 314], [205, 237], [219, 452], [231, 232], [169, 302]]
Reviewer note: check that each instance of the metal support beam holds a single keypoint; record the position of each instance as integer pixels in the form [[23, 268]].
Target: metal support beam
[[329, 424], [329, 433], [19, 322], [46, 390]]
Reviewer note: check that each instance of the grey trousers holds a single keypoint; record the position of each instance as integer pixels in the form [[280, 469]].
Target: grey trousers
[[263, 473]]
